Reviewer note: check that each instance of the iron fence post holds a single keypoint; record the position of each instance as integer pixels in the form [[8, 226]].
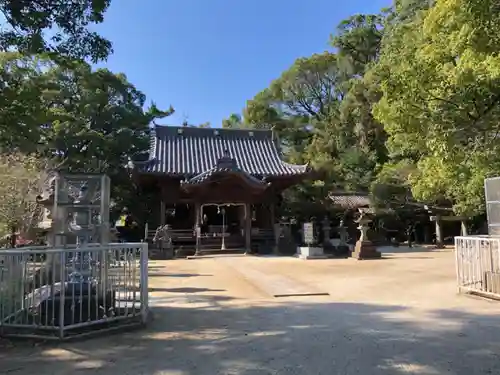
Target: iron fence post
[[62, 294], [144, 283]]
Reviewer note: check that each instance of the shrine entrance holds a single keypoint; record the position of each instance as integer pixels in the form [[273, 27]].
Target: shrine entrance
[[219, 218], [222, 226]]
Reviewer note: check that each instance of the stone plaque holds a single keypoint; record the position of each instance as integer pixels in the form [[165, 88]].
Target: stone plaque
[[308, 230]]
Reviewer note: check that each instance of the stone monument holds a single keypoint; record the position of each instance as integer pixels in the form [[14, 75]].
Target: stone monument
[[364, 248], [311, 250]]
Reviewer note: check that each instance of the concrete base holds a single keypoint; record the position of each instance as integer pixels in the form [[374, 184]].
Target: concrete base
[[307, 252], [168, 253], [276, 250], [365, 250]]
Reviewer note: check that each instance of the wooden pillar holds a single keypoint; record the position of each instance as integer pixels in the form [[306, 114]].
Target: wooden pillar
[[197, 225], [241, 218], [248, 228], [274, 228], [439, 233], [272, 215], [162, 212]]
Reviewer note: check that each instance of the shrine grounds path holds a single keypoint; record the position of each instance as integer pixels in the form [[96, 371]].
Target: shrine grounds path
[[398, 315]]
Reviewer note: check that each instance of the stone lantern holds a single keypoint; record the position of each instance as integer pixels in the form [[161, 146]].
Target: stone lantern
[[326, 231], [342, 247], [364, 248]]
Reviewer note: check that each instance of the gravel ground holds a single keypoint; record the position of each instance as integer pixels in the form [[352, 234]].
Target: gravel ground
[[398, 315]]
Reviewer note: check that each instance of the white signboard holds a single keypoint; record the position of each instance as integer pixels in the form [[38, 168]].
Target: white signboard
[[492, 195], [308, 230]]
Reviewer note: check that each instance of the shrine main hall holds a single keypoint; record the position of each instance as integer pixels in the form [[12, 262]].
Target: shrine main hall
[[223, 186]]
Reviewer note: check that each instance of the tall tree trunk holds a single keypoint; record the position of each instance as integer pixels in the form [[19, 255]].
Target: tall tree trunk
[[13, 236]]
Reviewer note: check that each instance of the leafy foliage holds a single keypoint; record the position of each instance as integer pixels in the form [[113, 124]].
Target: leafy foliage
[[22, 110], [84, 120], [234, 121], [22, 178], [321, 109], [58, 27], [97, 119], [407, 105], [439, 76], [93, 120]]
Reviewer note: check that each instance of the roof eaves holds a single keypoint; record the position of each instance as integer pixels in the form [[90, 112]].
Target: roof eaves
[[212, 173]]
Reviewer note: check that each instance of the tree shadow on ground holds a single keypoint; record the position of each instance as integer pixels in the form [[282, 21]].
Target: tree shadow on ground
[[165, 274], [394, 256], [407, 249], [185, 290], [219, 336]]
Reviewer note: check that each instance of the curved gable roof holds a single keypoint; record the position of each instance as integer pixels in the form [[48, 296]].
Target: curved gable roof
[[188, 151]]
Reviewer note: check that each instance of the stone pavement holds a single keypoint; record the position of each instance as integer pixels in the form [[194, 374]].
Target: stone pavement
[[399, 315]]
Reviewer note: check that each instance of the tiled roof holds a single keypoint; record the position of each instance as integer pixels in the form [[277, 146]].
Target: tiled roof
[[350, 200], [225, 166], [189, 152], [216, 172]]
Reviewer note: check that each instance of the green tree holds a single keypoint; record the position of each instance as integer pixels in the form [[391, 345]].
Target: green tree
[[97, 118], [439, 77], [358, 41], [349, 143], [58, 27], [23, 84], [234, 121], [302, 96], [84, 120], [22, 177]]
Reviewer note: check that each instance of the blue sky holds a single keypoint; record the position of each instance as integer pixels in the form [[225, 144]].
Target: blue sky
[[208, 57]]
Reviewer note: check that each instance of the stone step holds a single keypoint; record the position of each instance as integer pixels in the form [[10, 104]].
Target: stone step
[[213, 251]]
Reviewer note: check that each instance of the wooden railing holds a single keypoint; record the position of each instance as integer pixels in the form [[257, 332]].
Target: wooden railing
[[185, 234], [174, 233]]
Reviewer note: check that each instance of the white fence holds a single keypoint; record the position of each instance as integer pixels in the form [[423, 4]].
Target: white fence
[[59, 293], [478, 264]]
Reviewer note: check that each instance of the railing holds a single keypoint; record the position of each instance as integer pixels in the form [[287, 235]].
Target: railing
[[62, 292], [262, 233], [174, 234], [478, 264]]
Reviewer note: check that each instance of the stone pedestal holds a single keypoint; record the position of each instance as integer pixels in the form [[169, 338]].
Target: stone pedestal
[[326, 231], [342, 248], [439, 234], [365, 250], [308, 252]]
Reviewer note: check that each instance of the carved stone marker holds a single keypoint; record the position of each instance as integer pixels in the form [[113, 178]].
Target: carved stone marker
[[308, 230], [310, 251]]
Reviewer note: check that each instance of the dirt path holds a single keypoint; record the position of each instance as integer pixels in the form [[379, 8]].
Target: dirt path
[[399, 315]]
